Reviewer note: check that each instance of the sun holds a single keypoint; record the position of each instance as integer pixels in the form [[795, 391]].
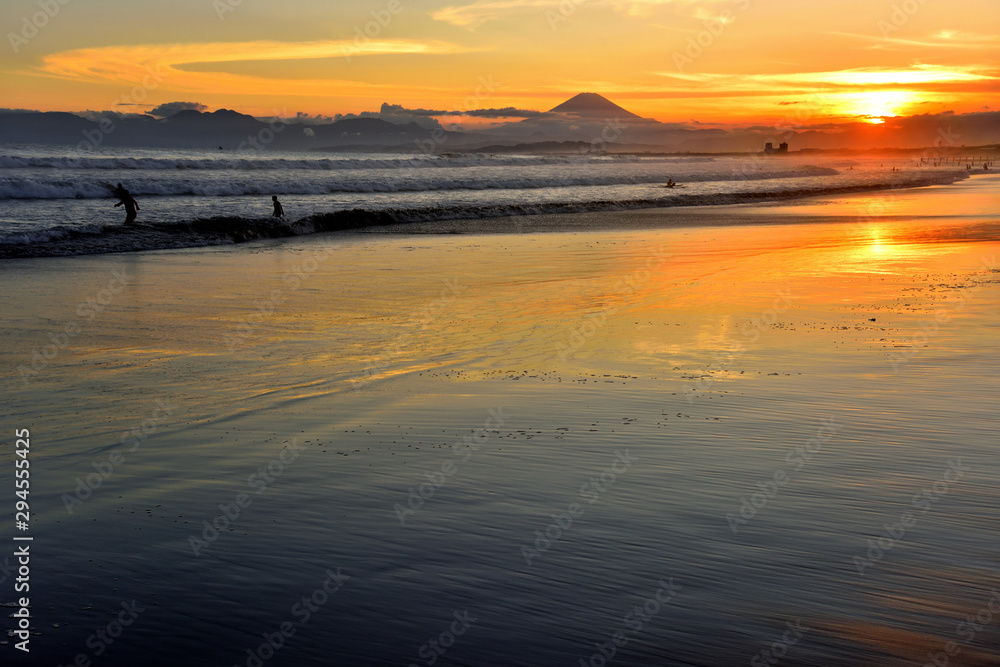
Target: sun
[[875, 106]]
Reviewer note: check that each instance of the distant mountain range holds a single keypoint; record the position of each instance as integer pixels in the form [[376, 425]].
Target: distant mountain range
[[223, 129], [587, 122], [588, 118]]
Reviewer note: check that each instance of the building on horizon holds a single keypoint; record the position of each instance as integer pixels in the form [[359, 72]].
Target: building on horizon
[[769, 148]]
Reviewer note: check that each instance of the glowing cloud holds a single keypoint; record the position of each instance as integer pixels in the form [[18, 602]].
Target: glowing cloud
[[922, 74], [165, 63], [480, 12], [477, 13], [942, 39], [867, 94]]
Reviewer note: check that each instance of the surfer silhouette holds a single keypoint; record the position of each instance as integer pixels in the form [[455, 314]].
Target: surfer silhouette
[[126, 199], [279, 212]]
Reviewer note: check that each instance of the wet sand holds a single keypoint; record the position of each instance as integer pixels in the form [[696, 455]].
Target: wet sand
[[506, 443]]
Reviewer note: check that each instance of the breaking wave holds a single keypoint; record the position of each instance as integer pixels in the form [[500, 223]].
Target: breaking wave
[[396, 179], [90, 239]]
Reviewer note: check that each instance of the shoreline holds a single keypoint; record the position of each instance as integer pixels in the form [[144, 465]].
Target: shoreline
[[771, 212], [227, 231]]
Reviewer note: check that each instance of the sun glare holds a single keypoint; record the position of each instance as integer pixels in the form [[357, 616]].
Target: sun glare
[[874, 107]]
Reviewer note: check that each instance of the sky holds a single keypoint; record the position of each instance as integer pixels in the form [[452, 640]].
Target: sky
[[727, 63]]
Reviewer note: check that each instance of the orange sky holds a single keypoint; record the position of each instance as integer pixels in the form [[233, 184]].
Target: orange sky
[[726, 62]]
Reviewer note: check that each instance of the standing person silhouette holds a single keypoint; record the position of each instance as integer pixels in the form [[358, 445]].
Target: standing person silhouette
[[128, 201], [279, 212]]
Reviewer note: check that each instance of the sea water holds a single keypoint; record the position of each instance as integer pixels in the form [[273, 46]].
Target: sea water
[[57, 201]]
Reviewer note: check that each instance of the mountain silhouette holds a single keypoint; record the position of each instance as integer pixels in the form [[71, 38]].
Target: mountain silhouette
[[592, 104]]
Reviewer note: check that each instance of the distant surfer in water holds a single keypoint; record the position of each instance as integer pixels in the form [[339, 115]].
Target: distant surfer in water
[[279, 212], [126, 199], [670, 183]]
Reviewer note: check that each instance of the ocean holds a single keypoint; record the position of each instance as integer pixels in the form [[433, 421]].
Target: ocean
[[56, 201]]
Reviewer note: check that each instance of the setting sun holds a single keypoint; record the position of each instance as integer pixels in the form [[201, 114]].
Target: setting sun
[[673, 61], [874, 107]]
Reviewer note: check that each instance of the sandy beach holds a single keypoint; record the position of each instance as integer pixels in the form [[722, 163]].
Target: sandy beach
[[697, 436]]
